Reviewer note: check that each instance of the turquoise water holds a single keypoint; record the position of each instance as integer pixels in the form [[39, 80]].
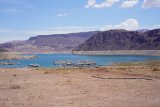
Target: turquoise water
[[46, 60]]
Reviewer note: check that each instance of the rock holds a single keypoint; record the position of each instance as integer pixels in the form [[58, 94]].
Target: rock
[[122, 40]]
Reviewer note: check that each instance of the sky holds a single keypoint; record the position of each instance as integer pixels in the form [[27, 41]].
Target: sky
[[21, 19]]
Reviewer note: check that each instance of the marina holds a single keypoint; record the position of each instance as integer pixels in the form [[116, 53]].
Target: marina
[[69, 60], [9, 63], [34, 65], [79, 63]]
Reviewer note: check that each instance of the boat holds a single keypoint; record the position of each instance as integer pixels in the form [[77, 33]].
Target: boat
[[34, 65], [79, 63], [8, 63]]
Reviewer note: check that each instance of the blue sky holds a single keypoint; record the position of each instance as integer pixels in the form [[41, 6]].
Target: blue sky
[[21, 19]]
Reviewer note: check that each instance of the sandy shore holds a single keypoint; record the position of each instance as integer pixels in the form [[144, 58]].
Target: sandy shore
[[14, 55], [112, 86], [120, 52]]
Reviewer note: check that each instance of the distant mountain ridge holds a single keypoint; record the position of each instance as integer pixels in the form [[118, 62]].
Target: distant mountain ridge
[[143, 30], [48, 43], [3, 50], [122, 40], [88, 41]]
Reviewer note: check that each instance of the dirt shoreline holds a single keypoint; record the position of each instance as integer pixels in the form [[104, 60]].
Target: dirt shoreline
[[110, 86], [15, 55], [120, 52]]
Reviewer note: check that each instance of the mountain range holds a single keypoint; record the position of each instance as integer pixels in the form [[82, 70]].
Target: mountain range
[[117, 39], [48, 43], [122, 40], [2, 50]]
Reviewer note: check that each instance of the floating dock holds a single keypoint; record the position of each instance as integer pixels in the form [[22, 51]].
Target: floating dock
[[79, 63]]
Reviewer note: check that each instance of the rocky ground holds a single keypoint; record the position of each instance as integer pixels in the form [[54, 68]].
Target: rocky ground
[[14, 55], [120, 52], [111, 86]]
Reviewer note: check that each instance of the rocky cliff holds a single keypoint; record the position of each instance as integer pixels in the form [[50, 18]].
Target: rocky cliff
[[122, 40]]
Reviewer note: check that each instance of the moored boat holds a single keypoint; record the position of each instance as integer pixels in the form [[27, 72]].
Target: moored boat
[[34, 65]]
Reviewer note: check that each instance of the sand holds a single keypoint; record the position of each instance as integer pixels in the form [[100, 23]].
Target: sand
[[15, 55], [111, 86]]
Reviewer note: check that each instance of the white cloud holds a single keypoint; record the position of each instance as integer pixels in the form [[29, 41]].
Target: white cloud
[[129, 24], [62, 14], [129, 3], [106, 3], [151, 3]]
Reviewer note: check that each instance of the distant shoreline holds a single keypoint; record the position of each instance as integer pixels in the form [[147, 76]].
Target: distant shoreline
[[119, 52], [14, 56], [110, 52]]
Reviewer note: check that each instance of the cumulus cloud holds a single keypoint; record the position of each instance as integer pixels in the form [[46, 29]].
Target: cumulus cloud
[[62, 14], [151, 3], [129, 3], [129, 24], [106, 3]]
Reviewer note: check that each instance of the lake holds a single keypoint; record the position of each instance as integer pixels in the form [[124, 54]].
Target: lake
[[46, 60]]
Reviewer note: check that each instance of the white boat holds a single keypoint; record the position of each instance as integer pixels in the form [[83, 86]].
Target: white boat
[[34, 65]]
